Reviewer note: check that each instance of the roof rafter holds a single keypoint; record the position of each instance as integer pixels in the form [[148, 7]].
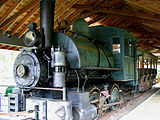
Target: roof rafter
[[65, 8], [98, 18], [26, 27], [151, 39], [145, 4], [146, 47], [24, 20], [2, 3], [119, 13], [111, 3], [7, 27], [15, 5], [23, 10], [133, 30]]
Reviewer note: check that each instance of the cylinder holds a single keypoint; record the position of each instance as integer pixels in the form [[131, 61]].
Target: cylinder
[[59, 58], [47, 21], [59, 79]]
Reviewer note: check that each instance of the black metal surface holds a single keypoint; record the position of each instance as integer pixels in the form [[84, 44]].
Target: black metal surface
[[30, 69], [47, 21]]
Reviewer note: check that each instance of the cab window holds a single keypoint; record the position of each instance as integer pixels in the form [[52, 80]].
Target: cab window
[[116, 45]]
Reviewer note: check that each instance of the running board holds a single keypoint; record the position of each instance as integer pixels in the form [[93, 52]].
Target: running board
[[100, 68]]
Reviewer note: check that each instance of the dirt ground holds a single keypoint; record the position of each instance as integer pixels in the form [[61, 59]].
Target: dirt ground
[[130, 101]]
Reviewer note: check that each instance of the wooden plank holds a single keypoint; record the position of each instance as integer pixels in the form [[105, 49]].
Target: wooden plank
[[120, 13], [111, 3], [148, 45], [7, 27], [142, 32], [24, 20], [20, 12], [149, 29], [69, 13], [98, 18], [12, 8], [66, 7], [152, 39], [26, 27], [82, 12], [156, 27], [150, 5], [129, 15], [2, 3]]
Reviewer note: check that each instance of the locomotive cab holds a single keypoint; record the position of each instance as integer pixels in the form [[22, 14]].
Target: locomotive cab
[[123, 47]]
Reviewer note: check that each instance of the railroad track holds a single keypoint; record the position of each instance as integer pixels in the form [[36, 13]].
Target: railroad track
[[129, 103]]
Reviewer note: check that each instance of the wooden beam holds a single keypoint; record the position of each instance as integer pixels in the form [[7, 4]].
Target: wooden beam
[[148, 45], [109, 4], [26, 27], [68, 13], [130, 15], [83, 13], [142, 32], [76, 14], [7, 27], [120, 13], [151, 39], [98, 18], [150, 29], [58, 11], [12, 8], [66, 7], [150, 5], [156, 27], [20, 12], [24, 20], [2, 3], [147, 23]]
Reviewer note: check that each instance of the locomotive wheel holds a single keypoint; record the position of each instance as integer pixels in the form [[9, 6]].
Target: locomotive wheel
[[94, 93], [114, 95], [94, 98]]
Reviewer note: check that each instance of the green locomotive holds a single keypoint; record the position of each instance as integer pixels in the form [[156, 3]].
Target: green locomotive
[[77, 75]]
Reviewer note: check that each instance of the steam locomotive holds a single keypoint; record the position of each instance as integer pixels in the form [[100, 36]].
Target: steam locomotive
[[76, 75]]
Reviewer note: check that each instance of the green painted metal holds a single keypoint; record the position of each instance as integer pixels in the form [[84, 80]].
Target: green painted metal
[[11, 40], [83, 52], [106, 35], [9, 90], [93, 47], [80, 26]]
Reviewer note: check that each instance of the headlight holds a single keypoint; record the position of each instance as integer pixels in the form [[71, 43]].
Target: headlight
[[32, 36]]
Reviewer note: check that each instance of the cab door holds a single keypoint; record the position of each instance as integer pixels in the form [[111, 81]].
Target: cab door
[[129, 58]]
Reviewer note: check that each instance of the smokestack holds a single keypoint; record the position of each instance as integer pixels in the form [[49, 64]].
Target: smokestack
[[47, 21]]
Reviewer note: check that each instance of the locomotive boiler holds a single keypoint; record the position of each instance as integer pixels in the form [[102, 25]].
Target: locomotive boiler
[[74, 75]]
